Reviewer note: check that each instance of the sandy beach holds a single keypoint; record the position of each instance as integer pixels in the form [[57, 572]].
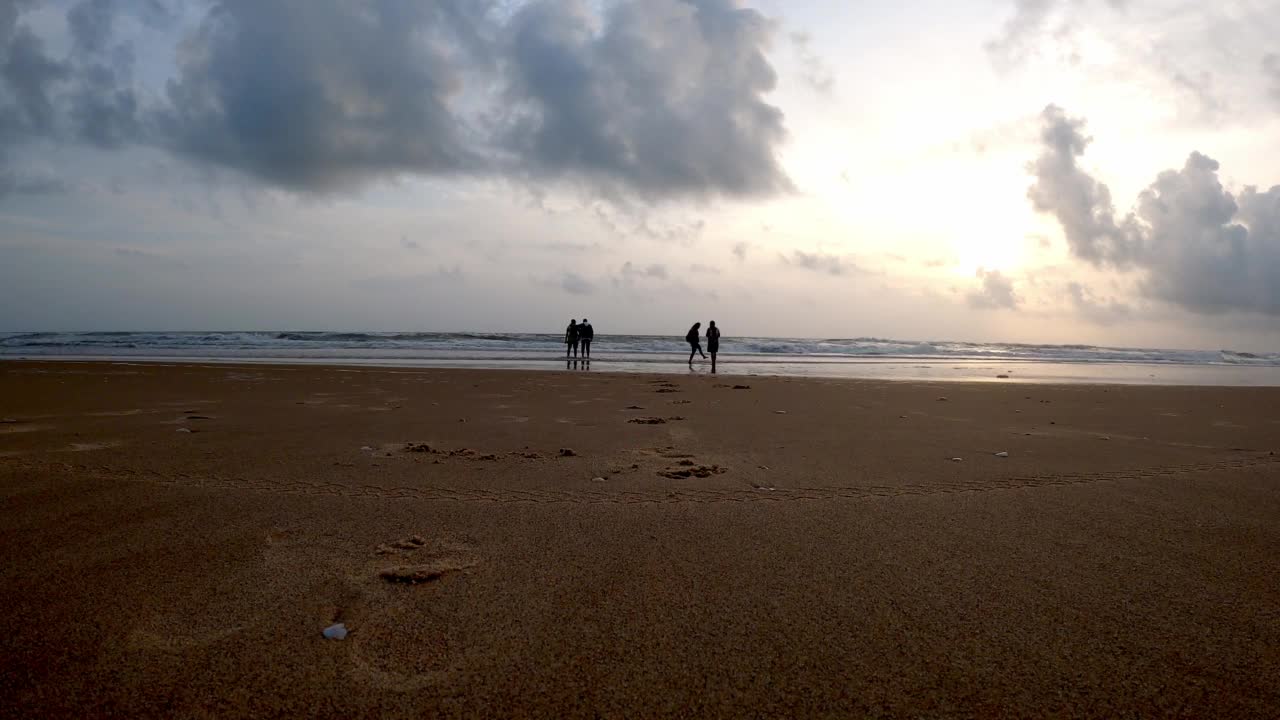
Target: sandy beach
[[569, 544]]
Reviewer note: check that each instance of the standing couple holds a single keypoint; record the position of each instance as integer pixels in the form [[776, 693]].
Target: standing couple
[[578, 333], [713, 343]]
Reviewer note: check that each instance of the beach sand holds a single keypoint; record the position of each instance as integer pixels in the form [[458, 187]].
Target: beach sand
[[794, 548]]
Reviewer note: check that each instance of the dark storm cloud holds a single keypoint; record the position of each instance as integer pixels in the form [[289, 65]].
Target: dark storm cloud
[[90, 22], [16, 184], [29, 76], [650, 98], [319, 95], [1196, 245], [105, 110], [86, 96], [996, 292], [664, 99]]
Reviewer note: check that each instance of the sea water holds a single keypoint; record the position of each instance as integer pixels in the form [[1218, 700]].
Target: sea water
[[835, 357]]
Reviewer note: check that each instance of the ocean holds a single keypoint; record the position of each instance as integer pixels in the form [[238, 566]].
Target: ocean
[[801, 357]]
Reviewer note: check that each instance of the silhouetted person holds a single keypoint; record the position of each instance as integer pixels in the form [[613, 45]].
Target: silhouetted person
[[571, 336], [695, 346], [713, 343], [587, 334]]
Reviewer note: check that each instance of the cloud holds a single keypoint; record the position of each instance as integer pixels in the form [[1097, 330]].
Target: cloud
[[1195, 244], [996, 292], [408, 244], [1271, 69], [740, 250], [1024, 31], [442, 275], [78, 97], [820, 262], [1020, 30], [1098, 310], [815, 71], [704, 269], [656, 271], [575, 284], [28, 77], [320, 95], [663, 97], [1081, 204], [18, 184], [630, 100], [90, 22]]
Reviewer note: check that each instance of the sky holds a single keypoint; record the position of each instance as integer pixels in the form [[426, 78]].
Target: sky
[[1044, 171]]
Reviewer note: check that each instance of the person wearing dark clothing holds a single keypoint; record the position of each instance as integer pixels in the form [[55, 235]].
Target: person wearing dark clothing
[[587, 334], [695, 346], [571, 337], [713, 343]]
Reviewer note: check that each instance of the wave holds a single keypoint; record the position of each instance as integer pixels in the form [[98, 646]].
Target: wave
[[426, 345]]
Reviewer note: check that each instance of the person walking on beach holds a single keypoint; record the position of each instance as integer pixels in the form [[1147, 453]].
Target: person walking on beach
[[695, 346], [713, 343], [587, 333], [571, 336]]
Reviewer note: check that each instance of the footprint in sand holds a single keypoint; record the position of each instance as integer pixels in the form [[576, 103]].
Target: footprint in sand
[[414, 560], [404, 635], [90, 447], [654, 420], [10, 428], [688, 468]]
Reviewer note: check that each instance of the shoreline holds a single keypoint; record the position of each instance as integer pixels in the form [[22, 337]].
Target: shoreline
[[950, 370]]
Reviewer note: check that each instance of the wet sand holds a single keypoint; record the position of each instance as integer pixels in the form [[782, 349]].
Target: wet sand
[[579, 545]]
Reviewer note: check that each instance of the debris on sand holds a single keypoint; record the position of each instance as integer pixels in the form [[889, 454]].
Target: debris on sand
[[666, 390], [335, 632], [1002, 454], [1002, 377], [567, 452], [199, 417], [779, 412], [412, 543], [597, 479], [634, 407], [185, 430], [7, 421], [701, 471], [411, 575], [942, 399], [741, 387], [956, 459], [416, 448], [648, 421]]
